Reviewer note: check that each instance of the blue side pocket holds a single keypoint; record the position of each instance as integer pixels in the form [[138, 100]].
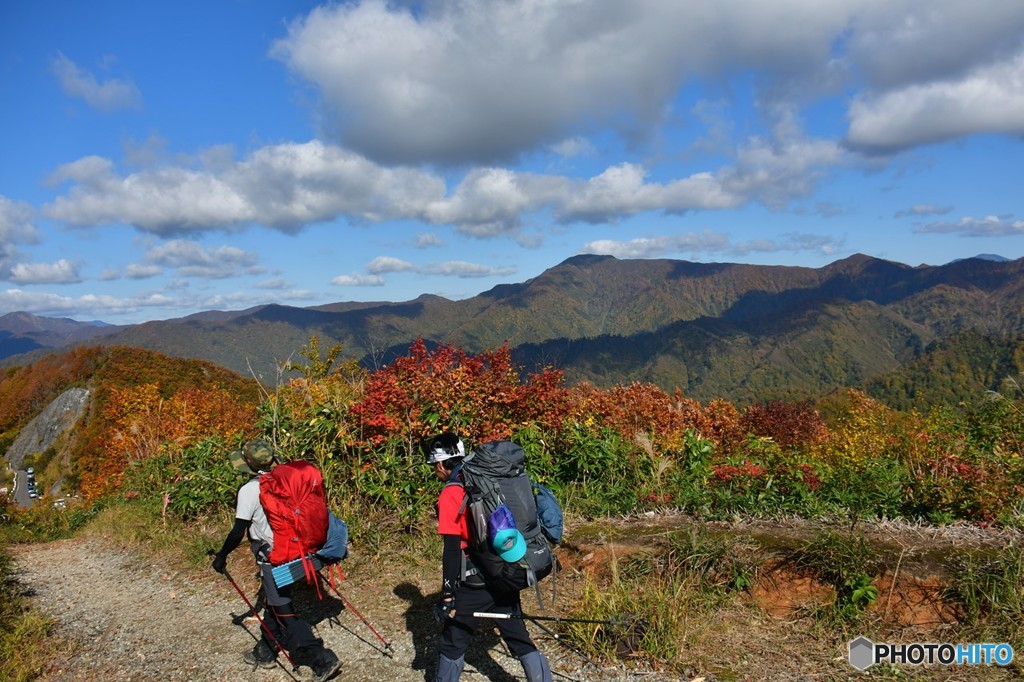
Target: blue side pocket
[[549, 513], [336, 546]]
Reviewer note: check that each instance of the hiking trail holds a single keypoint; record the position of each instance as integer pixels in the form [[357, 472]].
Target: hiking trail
[[128, 617]]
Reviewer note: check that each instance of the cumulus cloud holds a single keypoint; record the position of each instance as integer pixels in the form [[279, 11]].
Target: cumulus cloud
[[45, 303], [16, 222], [288, 186], [384, 264], [190, 259], [62, 271], [142, 271], [108, 95], [989, 99], [15, 228], [283, 186], [989, 226], [492, 80], [106, 307], [902, 42]]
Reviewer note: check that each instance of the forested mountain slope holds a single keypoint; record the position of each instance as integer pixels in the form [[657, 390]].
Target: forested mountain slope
[[740, 332]]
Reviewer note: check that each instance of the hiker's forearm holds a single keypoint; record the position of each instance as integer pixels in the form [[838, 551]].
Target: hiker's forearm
[[451, 564], [235, 537]]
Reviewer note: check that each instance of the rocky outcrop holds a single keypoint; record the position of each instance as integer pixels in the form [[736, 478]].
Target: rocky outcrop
[[43, 431]]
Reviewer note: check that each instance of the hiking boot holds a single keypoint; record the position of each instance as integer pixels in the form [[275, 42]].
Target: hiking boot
[[326, 667], [261, 655]]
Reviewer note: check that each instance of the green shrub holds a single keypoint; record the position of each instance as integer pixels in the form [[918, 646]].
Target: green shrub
[[192, 482], [846, 563]]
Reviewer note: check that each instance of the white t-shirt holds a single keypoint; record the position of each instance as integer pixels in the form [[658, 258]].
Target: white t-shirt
[[250, 509]]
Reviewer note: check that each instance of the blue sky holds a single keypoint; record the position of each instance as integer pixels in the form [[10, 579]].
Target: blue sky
[[162, 158]]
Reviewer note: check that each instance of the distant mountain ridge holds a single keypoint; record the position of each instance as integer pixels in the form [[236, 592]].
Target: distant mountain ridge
[[740, 332], [23, 332]]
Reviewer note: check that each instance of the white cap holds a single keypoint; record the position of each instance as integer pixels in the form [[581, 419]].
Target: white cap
[[444, 447]]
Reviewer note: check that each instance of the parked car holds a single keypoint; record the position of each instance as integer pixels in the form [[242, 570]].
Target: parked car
[[30, 471]]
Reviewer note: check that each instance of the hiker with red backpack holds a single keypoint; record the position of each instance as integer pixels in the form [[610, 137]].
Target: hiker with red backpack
[[256, 516], [476, 579]]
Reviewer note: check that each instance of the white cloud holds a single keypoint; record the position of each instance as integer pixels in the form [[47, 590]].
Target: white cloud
[[288, 186], [108, 95], [61, 272], [141, 271], [492, 80], [902, 42], [989, 226], [385, 264], [15, 228], [16, 222], [462, 269], [282, 186], [358, 280], [43, 303], [193, 260], [707, 243], [989, 99], [653, 247], [427, 239]]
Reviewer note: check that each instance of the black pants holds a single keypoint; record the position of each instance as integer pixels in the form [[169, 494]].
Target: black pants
[[459, 630], [292, 632]]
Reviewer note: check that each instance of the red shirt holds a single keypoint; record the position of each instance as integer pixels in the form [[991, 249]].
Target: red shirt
[[449, 520]]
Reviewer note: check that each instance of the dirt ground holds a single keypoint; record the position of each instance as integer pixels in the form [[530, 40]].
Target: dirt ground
[[127, 617], [124, 615]]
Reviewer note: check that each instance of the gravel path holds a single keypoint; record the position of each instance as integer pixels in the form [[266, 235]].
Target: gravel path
[[125, 617]]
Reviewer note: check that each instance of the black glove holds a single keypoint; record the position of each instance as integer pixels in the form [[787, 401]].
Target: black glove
[[444, 609], [220, 563]]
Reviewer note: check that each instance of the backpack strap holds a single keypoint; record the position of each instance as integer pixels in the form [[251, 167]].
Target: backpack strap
[[531, 580]]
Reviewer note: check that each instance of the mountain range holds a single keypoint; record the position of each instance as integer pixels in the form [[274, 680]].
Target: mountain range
[[713, 330]]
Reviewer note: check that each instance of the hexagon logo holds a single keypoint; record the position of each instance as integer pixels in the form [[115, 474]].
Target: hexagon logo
[[862, 652]]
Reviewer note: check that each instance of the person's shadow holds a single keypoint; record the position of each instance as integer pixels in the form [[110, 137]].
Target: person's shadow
[[420, 623], [316, 604]]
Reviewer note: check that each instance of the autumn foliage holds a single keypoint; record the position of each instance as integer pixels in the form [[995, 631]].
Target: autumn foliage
[[612, 450]]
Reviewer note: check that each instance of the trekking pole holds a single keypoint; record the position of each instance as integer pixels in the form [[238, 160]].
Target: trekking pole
[[557, 637], [557, 619], [263, 625], [238, 619], [349, 605]]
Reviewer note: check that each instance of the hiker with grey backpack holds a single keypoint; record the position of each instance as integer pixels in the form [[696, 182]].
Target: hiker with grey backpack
[[256, 515], [494, 547]]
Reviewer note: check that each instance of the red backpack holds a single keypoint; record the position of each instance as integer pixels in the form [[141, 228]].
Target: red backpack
[[292, 495]]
